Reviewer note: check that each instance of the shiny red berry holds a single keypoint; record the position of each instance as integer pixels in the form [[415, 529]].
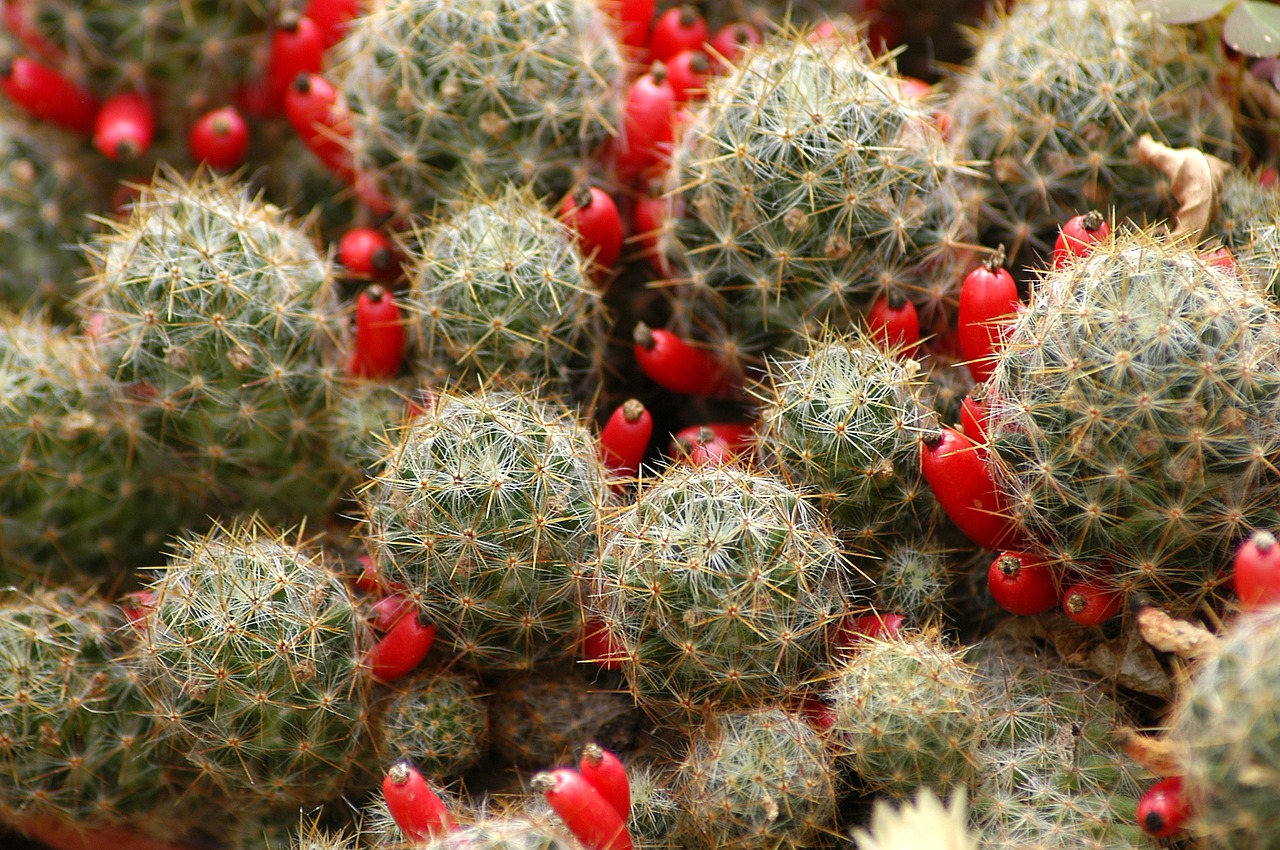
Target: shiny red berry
[[369, 253], [988, 303], [1078, 236], [895, 324], [1163, 810], [678, 29], [591, 214], [219, 138], [1256, 570], [1023, 583], [124, 126], [1092, 602]]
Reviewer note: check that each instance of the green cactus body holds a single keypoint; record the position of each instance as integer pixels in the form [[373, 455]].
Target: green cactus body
[[503, 833], [440, 721], [846, 419], [808, 184], [46, 195], [1050, 773], [654, 808], [487, 511], [76, 739], [499, 287], [907, 714], [1133, 417], [762, 780], [449, 95], [252, 652], [718, 586], [217, 310], [1248, 224], [82, 486], [1055, 97], [1227, 723]]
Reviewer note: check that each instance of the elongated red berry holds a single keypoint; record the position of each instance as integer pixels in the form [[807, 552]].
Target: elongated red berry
[[598, 646], [988, 302], [48, 95], [1078, 236], [1163, 810], [1091, 602], [688, 71], [380, 335], [389, 610], [369, 253], [1256, 570], [606, 772], [624, 439], [973, 419], [415, 807], [588, 815], [678, 29], [648, 124], [399, 652], [650, 219], [592, 215], [895, 324], [677, 365], [1023, 583], [297, 47], [219, 138], [728, 43], [633, 19], [332, 17], [957, 471], [321, 119], [738, 437], [705, 448], [124, 126]]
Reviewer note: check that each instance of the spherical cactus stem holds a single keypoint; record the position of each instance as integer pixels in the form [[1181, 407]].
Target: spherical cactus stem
[[415, 807], [606, 772], [585, 811]]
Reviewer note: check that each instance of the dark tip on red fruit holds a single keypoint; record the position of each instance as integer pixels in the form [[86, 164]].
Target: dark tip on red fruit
[[658, 71], [582, 197], [700, 63], [1263, 540], [381, 260], [632, 409], [996, 260], [400, 772], [302, 83], [642, 335], [375, 293], [1092, 220], [895, 299], [688, 16], [1009, 565], [288, 20], [932, 439], [126, 149]]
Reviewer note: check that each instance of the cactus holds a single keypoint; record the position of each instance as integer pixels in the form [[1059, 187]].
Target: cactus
[[1227, 726], [810, 184], [1248, 225], [847, 419], [1049, 771], [218, 311], [1054, 98], [83, 488], [755, 779], [78, 741], [914, 577], [1133, 417], [486, 510], [718, 586], [449, 95], [543, 717], [251, 651], [46, 195], [907, 714], [654, 809], [499, 287], [440, 721]]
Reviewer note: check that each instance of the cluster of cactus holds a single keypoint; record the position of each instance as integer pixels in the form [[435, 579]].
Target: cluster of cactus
[[453, 95], [1132, 417], [1056, 95], [807, 184]]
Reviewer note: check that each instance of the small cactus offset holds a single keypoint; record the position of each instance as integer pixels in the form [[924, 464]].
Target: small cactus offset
[[45, 201], [448, 95], [908, 713], [847, 419], [499, 288], [217, 311], [807, 185], [79, 742], [82, 485], [487, 511], [1133, 417], [762, 778], [252, 652], [1227, 725], [718, 586], [1056, 96], [440, 721]]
